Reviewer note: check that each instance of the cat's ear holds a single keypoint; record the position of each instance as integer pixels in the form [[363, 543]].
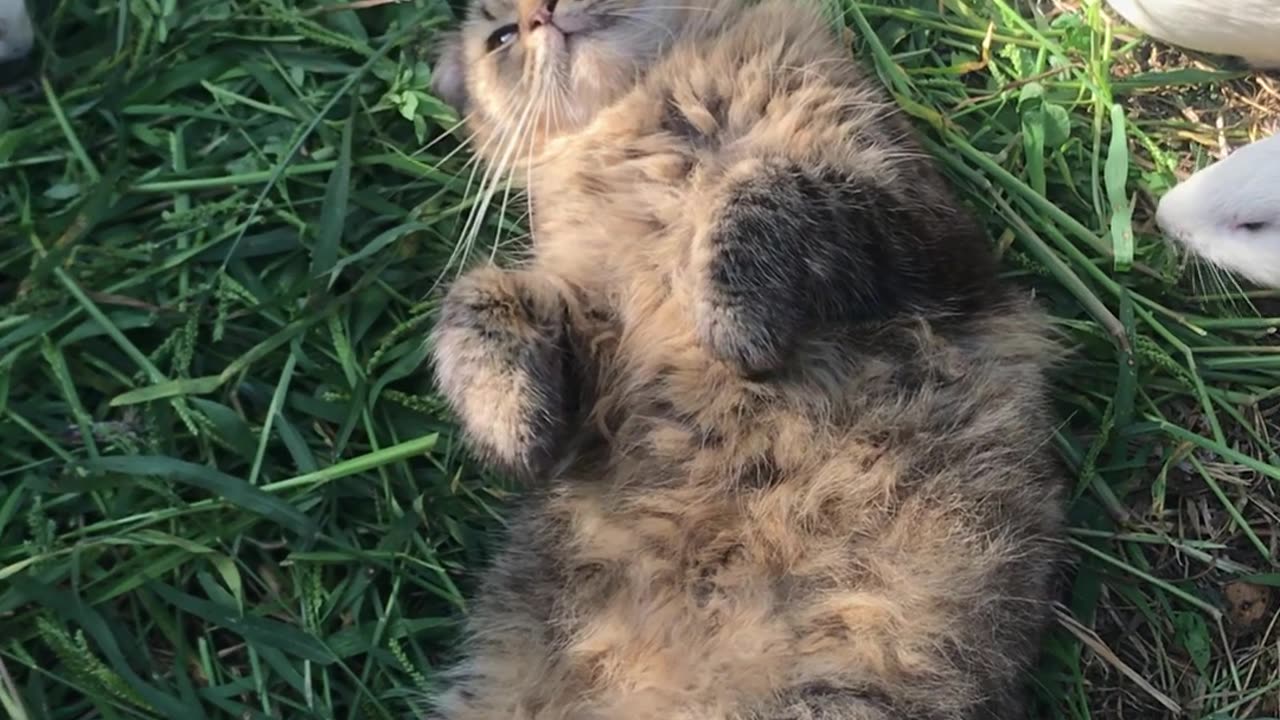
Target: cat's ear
[[449, 76]]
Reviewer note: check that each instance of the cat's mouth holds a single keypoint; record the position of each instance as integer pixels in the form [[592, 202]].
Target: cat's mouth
[[582, 23], [563, 33]]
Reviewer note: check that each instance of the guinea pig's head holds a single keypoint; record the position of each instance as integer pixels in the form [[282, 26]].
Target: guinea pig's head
[[16, 32], [524, 71], [1229, 212]]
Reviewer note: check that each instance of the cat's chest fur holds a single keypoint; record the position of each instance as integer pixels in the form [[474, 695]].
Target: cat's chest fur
[[616, 206], [621, 200]]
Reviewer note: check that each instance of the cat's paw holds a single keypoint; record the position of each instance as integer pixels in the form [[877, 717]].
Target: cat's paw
[[750, 303], [746, 333], [503, 362], [821, 701]]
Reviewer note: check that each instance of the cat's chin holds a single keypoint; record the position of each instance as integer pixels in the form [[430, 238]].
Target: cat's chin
[[569, 34], [552, 43]]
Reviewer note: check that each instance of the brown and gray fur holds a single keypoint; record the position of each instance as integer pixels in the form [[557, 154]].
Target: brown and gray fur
[[786, 436]]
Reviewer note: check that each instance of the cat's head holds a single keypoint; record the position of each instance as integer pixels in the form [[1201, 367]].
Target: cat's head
[[523, 71]]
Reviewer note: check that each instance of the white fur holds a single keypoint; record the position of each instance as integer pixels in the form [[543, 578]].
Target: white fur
[[1208, 211], [16, 33], [1247, 28]]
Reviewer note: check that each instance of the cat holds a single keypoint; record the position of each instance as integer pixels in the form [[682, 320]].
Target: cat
[[785, 435]]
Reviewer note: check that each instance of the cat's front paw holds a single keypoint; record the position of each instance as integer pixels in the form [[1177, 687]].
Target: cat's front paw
[[747, 334], [503, 361], [822, 701], [750, 265]]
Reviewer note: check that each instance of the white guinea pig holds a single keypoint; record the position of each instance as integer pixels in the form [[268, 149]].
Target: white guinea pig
[[1247, 28], [1229, 212], [16, 33]]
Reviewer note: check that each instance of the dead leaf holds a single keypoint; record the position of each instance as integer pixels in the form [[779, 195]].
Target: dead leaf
[[1248, 606]]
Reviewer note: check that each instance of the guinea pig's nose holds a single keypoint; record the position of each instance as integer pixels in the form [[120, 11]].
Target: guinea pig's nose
[[1166, 214]]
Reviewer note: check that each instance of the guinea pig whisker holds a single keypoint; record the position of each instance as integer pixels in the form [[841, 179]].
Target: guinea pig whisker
[[1197, 277], [1219, 285], [1215, 287], [1240, 295]]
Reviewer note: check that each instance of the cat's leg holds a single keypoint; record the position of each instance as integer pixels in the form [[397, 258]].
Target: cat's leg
[[501, 679], [509, 666], [748, 288], [503, 361], [820, 701], [491, 688], [783, 246]]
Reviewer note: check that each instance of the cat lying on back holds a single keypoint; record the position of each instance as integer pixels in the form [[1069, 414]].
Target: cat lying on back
[[787, 436]]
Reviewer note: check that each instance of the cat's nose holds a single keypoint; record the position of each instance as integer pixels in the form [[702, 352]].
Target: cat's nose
[[536, 13], [541, 16]]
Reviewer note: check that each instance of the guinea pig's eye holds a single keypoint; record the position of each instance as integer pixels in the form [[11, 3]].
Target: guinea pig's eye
[[502, 36], [1253, 226]]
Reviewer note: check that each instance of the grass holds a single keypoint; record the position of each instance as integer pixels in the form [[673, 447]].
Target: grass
[[228, 491]]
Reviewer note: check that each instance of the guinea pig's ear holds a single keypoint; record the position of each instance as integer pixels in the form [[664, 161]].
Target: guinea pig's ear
[[449, 76]]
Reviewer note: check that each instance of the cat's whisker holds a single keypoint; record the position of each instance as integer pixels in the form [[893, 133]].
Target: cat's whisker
[[475, 168], [560, 107], [475, 218], [550, 116], [500, 168], [463, 122], [616, 5], [472, 161], [506, 200], [506, 138], [529, 138], [448, 132], [480, 152], [630, 17]]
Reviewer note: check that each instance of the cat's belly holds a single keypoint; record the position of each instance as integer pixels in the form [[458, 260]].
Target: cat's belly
[[704, 615], [667, 636]]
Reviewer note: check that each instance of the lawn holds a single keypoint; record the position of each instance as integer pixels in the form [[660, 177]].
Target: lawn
[[228, 490]]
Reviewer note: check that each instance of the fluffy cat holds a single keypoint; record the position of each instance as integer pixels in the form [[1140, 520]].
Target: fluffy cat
[[786, 436]]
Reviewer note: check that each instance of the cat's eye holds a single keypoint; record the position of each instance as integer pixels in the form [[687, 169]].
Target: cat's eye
[[1253, 226], [502, 36]]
